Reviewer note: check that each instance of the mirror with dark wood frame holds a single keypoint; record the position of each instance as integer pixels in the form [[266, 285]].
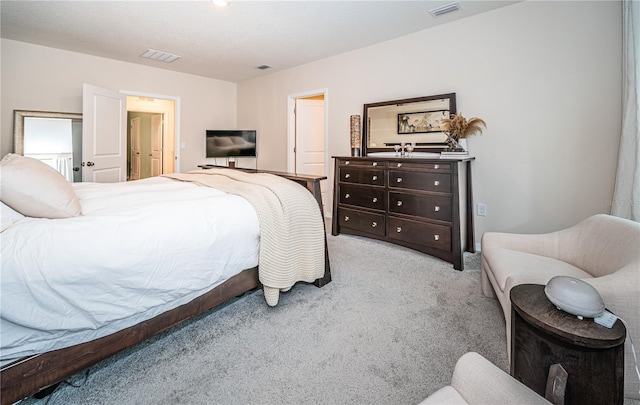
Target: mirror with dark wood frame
[[413, 120]]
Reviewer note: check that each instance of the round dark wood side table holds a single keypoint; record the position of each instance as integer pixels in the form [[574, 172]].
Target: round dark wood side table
[[543, 336]]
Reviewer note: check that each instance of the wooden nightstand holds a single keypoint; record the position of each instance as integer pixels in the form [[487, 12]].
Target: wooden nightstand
[[591, 354]]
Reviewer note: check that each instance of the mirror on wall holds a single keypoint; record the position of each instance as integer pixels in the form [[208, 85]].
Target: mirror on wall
[[413, 120], [54, 138]]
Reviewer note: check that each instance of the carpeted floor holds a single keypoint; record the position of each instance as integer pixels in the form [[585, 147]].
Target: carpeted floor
[[387, 330]]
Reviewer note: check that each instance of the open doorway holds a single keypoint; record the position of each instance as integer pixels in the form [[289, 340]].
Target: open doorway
[[151, 137], [307, 137], [105, 136], [144, 145]]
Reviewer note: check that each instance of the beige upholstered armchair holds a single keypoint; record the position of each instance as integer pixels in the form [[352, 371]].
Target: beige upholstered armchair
[[478, 381], [602, 250]]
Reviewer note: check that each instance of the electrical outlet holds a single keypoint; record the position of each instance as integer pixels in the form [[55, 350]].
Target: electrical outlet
[[482, 210]]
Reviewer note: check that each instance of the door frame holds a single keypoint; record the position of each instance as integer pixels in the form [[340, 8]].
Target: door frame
[[176, 129], [291, 131]]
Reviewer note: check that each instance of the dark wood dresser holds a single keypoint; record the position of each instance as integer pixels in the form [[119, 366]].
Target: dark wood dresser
[[423, 204]]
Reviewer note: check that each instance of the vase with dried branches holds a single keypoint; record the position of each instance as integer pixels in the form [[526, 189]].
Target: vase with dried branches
[[457, 127]]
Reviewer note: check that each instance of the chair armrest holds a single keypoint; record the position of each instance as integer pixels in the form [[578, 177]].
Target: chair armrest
[[479, 381]]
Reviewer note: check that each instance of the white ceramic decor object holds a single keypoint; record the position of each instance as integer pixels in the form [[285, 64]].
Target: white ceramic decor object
[[574, 296]]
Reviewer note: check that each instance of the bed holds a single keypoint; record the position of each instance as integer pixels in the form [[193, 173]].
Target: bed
[[70, 294]]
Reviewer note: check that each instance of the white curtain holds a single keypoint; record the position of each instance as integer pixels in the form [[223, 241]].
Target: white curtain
[[626, 196], [63, 165]]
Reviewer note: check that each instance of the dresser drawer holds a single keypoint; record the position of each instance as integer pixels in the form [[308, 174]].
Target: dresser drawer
[[426, 206], [370, 197], [439, 182], [362, 163], [437, 166], [436, 236], [374, 177], [362, 221]]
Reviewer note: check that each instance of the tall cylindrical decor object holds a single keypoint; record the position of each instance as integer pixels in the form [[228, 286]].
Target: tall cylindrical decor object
[[355, 135]]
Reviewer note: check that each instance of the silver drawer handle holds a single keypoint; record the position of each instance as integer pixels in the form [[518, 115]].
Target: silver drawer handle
[[399, 203], [375, 163], [436, 237], [347, 162], [375, 178], [436, 208], [346, 176], [374, 224], [375, 199], [347, 195], [399, 164], [346, 219], [398, 229], [399, 180], [436, 166], [436, 183]]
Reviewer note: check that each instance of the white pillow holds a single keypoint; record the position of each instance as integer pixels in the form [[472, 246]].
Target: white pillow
[[35, 189]]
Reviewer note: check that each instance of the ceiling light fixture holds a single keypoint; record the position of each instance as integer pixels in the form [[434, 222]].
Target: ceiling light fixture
[[159, 56], [220, 3], [447, 8], [263, 67]]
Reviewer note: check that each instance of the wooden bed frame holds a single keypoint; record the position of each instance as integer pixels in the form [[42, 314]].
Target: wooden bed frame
[[32, 374]]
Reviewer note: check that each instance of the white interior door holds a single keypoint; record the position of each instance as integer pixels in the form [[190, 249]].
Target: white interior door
[[135, 149], [310, 139], [104, 135], [156, 145]]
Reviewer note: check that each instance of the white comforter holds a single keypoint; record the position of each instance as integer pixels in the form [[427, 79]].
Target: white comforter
[[141, 248]]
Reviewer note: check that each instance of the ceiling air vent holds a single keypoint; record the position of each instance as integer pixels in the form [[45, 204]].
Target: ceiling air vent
[[263, 67], [447, 8], [159, 56]]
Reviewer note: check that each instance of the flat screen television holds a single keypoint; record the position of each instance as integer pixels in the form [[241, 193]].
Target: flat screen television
[[231, 143]]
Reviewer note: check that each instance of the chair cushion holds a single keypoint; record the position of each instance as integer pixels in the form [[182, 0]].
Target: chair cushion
[[525, 268]]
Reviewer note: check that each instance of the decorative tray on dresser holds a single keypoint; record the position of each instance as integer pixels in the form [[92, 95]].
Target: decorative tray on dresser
[[421, 203]]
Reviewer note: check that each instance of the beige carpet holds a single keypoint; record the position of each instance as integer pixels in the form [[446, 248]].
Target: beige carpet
[[387, 330]]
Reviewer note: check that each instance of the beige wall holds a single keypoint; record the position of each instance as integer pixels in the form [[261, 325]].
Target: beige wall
[[546, 77], [47, 79]]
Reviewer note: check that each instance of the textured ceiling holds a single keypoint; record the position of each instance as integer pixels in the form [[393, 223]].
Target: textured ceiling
[[222, 43]]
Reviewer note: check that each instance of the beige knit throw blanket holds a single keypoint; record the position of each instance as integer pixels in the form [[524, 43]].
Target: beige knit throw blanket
[[291, 227]]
